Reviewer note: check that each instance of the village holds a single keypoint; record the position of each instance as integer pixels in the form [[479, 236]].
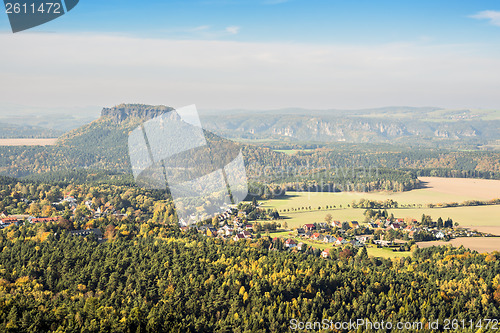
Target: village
[[393, 233], [71, 204], [248, 221]]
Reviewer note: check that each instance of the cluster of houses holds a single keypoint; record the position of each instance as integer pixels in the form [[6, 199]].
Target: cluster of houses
[[316, 232], [291, 244], [319, 232], [72, 203], [236, 232], [410, 228], [8, 220], [229, 215], [86, 232], [231, 226], [106, 210], [329, 239]]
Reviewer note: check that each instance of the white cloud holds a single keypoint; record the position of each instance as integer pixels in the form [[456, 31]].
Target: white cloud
[[76, 69], [201, 28], [491, 15], [233, 30]]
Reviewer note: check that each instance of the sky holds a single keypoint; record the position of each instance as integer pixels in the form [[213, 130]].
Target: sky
[[262, 54]]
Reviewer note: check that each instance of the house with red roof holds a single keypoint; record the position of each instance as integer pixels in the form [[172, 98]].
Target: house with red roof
[[340, 241], [396, 226], [337, 224], [238, 237], [315, 236], [246, 234], [309, 227], [43, 219]]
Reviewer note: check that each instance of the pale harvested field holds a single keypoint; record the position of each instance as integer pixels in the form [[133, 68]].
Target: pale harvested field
[[474, 188], [27, 142], [479, 244]]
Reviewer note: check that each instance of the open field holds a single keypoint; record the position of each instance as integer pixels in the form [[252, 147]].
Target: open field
[[386, 253], [437, 190], [480, 244], [482, 218], [27, 142], [291, 151], [474, 188]]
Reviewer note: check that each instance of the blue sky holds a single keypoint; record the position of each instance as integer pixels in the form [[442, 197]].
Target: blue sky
[[341, 53], [274, 20]]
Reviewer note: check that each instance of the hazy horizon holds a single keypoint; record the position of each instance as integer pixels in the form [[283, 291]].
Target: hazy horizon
[[218, 55]]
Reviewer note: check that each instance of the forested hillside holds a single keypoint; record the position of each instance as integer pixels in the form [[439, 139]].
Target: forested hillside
[[152, 278], [99, 151]]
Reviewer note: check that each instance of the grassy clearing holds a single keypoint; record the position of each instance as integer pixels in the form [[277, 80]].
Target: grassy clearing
[[283, 234], [291, 151], [386, 253]]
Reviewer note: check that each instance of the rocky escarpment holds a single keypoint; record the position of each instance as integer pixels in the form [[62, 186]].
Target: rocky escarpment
[[349, 128], [122, 112]]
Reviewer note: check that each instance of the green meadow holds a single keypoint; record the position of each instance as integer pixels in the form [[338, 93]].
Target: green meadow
[[471, 216], [292, 151]]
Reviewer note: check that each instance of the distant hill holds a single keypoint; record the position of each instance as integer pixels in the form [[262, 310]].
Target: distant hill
[[60, 119], [100, 149], [416, 126], [103, 143], [12, 131], [112, 128], [99, 145]]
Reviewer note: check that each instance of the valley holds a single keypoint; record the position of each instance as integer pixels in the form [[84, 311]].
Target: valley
[[79, 238]]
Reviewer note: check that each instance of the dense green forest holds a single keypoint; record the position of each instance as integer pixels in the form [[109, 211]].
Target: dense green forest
[[153, 278]]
